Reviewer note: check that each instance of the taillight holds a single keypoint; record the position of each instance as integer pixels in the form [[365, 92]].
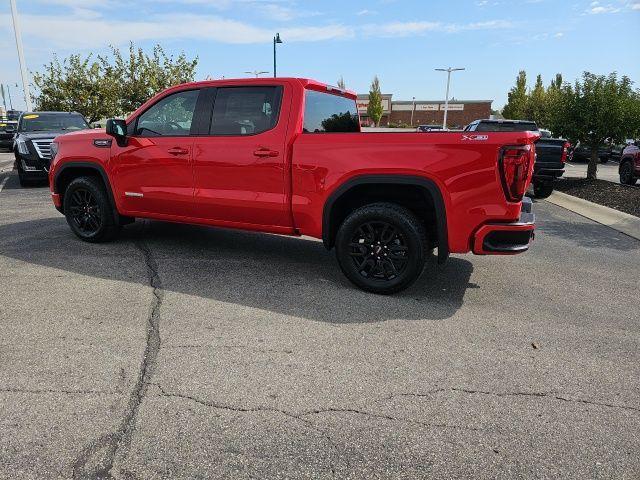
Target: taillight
[[516, 166], [565, 151]]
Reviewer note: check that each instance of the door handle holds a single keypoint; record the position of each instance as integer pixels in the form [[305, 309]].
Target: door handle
[[265, 152], [178, 151]]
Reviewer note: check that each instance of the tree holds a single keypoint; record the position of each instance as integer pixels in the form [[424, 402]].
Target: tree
[[535, 107], [374, 108], [109, 86], [601, 108], [341, 83], [75, 85], [517, 99]]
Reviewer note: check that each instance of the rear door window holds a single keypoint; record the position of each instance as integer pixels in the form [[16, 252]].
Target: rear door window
[[324, 113], [245, 110]]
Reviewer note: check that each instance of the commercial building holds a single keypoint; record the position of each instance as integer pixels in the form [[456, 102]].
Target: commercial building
[[426, 112]]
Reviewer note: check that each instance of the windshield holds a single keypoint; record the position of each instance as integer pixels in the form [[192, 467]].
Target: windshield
[[49, 122]]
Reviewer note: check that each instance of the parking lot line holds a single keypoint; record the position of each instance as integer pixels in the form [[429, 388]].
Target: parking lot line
[[3, 183]]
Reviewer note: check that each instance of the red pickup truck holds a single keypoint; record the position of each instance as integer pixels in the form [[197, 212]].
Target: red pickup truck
[[287, 156]]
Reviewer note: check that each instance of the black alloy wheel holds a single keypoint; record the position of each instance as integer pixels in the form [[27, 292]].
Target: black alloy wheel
[[379, 251], [382, 247], [89, 211], [85, 211]]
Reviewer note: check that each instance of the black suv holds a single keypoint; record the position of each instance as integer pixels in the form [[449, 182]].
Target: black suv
[[32, 143]]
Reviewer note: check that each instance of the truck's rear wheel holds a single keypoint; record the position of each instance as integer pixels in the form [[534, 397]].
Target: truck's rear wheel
[[542, 190], [382, 248], [88, 210]]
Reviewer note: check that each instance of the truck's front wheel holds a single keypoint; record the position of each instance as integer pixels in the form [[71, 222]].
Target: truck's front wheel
[[88, 210], [382, 247]]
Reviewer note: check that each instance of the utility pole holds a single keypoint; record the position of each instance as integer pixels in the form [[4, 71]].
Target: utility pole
[[4, 101], [23, 67], [276, 40], [446, 100], [9, 95]]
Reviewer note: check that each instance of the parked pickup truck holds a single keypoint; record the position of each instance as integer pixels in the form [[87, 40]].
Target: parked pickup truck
[[287, 156], [551, 153]]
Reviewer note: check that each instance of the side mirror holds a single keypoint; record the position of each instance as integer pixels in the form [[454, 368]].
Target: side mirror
[[97, 125], [10, 129], [117, 128]]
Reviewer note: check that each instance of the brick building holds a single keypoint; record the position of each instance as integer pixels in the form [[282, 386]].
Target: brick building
[[426, 112]]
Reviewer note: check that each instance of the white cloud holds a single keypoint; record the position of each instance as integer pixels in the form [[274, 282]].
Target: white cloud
[[366, 12], [72, 32], [404, 29]]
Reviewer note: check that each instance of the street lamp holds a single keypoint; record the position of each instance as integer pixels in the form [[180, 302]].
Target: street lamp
[[446, 100], [257, 73], [413, 109], [276, 39]]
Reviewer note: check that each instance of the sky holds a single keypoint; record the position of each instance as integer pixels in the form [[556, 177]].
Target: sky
[[400, 41]]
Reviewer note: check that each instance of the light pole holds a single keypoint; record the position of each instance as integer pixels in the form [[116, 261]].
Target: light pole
[[257, 73], [276, 39], [23, 68], [413, 109], [446, 100]]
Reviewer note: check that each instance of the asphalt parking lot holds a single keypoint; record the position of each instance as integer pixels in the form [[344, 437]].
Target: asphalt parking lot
[[189, 352]]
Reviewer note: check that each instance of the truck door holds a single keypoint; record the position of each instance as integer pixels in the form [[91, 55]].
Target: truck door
[[240, 166], [154, 171]]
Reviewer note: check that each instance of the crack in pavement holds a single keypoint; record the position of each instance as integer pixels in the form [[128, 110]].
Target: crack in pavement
[[221, 406], [550, 394], [97, 459], [62, 391]]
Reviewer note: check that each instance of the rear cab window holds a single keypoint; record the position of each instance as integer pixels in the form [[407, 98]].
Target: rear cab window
[[241, 111], [328, 113]]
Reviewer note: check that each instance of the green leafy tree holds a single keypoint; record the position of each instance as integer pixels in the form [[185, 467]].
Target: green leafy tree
[[516, 107], [374, 108], [75, 84], [108, 86], [601, 108], [536, 108]]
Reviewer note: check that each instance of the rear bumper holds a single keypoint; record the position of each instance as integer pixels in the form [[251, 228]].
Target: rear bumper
[[506, 238]]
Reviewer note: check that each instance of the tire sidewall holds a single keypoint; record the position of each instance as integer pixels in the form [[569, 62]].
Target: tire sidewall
[[415, 239], [106, 219], [626, 173]]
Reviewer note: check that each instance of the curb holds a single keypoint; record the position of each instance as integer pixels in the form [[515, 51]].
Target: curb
[[620, 221]]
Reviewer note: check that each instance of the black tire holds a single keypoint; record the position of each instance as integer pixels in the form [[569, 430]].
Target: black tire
[[382, 248], [626, 174], [604, 159], [542, 190], [88, 210]]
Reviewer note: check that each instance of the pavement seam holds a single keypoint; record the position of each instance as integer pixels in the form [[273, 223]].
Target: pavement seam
[[550, 394], [98, 458]]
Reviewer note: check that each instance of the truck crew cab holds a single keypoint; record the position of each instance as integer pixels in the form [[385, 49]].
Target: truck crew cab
[[287, 156]]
